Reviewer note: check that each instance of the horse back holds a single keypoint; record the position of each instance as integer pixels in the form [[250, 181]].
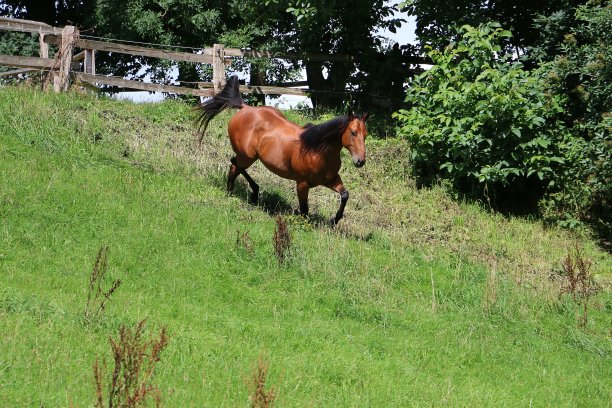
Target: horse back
[[264, 133]]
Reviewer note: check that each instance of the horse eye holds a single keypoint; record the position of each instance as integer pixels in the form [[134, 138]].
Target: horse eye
[[353, 133]]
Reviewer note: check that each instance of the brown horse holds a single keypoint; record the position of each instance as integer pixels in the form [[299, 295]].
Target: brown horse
[[310, 155]]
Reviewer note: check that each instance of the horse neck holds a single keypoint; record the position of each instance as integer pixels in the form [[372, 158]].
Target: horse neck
[[333, 148], [324, 140]]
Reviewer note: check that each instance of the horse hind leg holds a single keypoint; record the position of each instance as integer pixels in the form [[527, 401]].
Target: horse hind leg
[[239, 167], [231, 176], [254, 186]]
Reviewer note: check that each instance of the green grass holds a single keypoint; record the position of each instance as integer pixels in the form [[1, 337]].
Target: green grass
[[350, 320]]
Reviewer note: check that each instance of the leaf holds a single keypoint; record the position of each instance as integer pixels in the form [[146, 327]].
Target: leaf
[[543, 142], [517, 132], [448, 166]]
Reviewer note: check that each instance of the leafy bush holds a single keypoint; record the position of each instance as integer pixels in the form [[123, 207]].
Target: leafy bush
[[478, 117], [582, 75]]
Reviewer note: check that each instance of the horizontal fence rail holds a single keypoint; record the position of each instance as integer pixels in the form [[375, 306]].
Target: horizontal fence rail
[[143, 86], [35, 63], [205, 58], [17, 72], [27, 26], [262, 90]]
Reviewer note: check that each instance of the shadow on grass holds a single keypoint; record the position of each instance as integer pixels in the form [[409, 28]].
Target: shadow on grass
[[274, 203], [269, 201]]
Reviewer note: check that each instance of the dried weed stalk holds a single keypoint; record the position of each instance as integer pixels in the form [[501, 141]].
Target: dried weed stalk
[[578, 281], [490, 292], [433, 293], [282, 240], [259, 396], [97, 298], [134, 359], [244, 241]]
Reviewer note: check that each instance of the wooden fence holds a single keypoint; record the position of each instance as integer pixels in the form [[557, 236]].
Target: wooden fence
[[63, 67]]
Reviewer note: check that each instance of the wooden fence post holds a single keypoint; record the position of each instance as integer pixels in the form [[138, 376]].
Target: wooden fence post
[[89, 65], [61, 81], [44, 47], [218, 67]]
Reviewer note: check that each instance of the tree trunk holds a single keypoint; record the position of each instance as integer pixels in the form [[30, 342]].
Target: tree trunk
[[327, 92]]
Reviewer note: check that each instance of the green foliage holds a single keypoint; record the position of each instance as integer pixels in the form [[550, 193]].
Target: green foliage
[[435, 23], [12, 43], [480, 118], [188, 23], [323, 27], [581, 74], [56, 13]]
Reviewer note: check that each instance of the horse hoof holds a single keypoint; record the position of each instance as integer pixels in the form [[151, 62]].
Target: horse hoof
[[333, 222], [298, 212]]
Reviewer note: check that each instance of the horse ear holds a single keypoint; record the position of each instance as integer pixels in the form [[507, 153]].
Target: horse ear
[[364, 117]]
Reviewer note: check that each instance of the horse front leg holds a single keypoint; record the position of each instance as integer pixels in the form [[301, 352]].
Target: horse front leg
[[338, 187], [302, 193]]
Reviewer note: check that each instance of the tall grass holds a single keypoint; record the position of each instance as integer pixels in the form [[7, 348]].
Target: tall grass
[[348, 321]]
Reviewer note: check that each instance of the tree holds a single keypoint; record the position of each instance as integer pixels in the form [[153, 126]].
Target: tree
[[56, 13], [187, 23], [436, 20], [323, 27]]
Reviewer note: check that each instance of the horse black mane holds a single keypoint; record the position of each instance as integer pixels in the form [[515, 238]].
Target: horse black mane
[[317, 138]]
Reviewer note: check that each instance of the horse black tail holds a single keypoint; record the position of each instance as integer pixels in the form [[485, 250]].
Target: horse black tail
[[229, 97]]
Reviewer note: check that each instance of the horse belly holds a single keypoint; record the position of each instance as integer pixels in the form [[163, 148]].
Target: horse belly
[[279, 170], [277, 163], [316, 170], [273, 154]]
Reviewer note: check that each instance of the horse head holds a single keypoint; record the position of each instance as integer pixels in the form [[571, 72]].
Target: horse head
[[353, 138]]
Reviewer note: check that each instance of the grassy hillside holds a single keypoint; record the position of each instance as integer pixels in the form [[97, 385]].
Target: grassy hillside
[[414, 300]]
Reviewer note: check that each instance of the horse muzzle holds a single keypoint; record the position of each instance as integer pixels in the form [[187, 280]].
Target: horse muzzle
[[359, 162]]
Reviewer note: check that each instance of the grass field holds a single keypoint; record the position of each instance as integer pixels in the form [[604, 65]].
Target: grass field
[[414, 300]]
